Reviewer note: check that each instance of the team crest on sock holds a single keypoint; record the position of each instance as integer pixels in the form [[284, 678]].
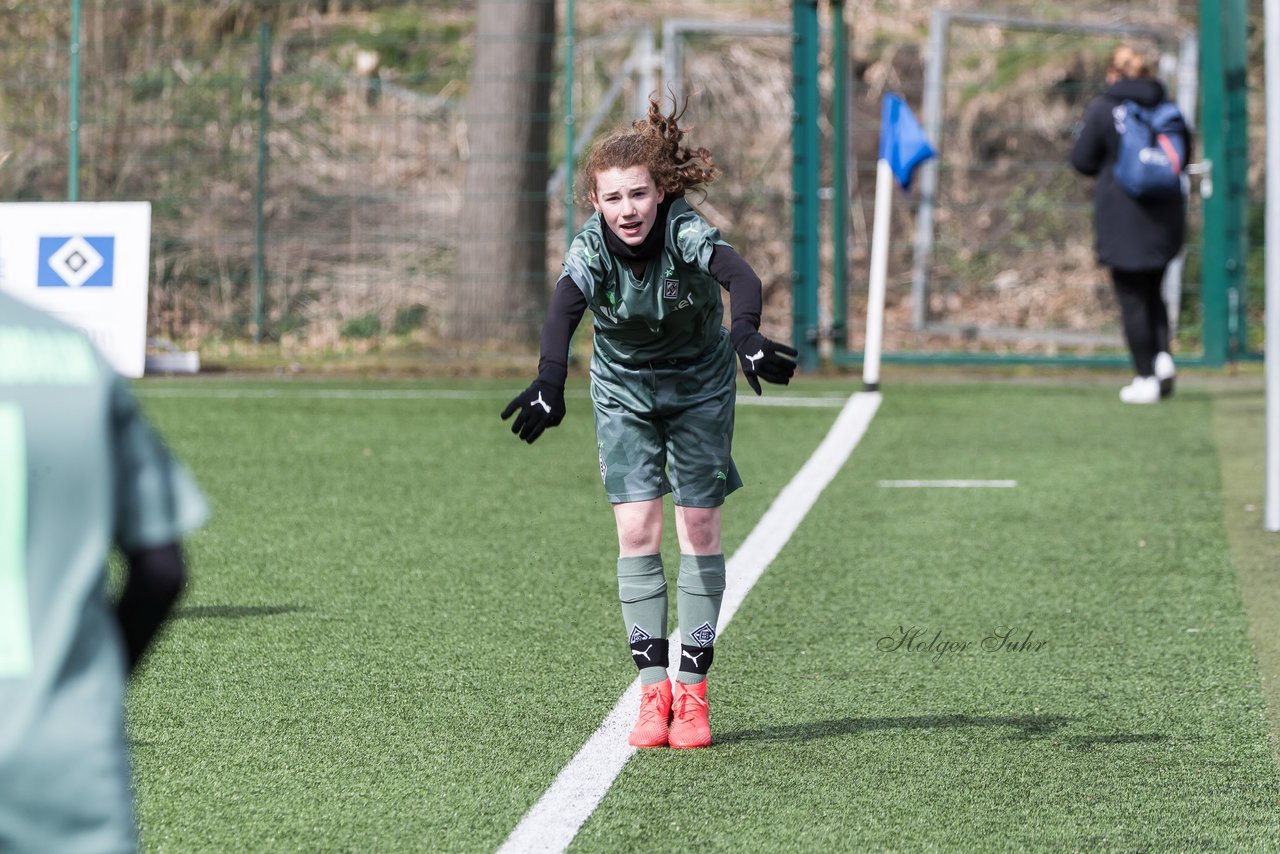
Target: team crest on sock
[[638, 634], [703, 635]]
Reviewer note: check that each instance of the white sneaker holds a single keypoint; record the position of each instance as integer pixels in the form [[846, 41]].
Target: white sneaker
[[1141, 390], [1165, 372]]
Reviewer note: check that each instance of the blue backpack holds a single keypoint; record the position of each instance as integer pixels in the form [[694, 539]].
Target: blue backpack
[[1153, 150]]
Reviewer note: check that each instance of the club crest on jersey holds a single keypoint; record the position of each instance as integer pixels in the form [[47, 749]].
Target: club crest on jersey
[[671, 289]]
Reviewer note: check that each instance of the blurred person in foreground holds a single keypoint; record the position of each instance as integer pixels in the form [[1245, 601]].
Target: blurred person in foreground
[[663, 389], [1135, 238], [80, 472]]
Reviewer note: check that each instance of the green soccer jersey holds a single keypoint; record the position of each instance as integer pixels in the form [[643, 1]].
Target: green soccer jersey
[[672, 312], [80, 471]]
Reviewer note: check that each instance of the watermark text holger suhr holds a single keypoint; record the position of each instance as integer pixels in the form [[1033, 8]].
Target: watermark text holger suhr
[[920, 640]]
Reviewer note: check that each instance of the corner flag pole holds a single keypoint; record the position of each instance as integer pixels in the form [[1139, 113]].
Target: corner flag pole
[[879, 270], [1271, 26], [903, 147]]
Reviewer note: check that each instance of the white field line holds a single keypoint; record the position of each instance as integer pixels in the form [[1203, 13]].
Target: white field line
[[775, 400], [551, 824], [949, 484], [422, 394]]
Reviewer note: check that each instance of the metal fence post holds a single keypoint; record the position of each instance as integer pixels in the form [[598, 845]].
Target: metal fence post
[[939, 32], [570, 214], [259, 227], [839, 174], [73, 108], [1224, 125], [804, 183]]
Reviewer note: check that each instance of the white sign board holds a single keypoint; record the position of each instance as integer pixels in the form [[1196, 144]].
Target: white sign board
[[86, 263]]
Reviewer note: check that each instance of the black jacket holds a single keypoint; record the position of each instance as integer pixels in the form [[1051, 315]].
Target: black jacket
[[1129, 234]]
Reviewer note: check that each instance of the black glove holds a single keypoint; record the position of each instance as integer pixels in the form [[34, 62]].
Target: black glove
[[763, 359], [541, 406]]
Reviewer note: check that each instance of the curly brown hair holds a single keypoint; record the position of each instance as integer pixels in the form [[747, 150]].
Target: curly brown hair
[[652, 142], [1128, 63]]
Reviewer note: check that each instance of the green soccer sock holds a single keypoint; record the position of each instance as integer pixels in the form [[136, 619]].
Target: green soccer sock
[[699, 592], [642, 589]]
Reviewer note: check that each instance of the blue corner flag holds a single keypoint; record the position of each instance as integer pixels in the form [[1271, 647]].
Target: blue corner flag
[[902, 140]]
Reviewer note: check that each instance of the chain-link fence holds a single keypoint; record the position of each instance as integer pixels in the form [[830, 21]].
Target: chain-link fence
[[310, 159], [306, 161]]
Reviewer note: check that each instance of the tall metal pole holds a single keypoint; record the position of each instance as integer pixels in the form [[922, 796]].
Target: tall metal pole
[[1237, 163], [939, 33], [1271, 517], [1222, 70], [264, 114], [73, 110], [805, 157], [839, 174], [570, 213]]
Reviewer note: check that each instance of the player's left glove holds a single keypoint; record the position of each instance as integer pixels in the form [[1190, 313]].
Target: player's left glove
[[541, 405], [763, 359]]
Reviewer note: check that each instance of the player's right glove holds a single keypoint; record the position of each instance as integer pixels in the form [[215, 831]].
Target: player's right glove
[[541, 405], [763, 359]]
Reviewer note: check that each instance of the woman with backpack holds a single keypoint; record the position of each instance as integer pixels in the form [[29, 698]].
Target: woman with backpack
[[1136, 233]]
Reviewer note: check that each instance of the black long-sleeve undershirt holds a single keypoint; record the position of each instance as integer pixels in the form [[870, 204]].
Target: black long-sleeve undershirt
[[568, 304], [746, 299]]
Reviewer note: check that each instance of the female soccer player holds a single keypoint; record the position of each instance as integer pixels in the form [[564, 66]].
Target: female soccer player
[[663, 389]]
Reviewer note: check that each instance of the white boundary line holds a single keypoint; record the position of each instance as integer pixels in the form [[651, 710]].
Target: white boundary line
[[950, 484], [419, 394], [551, 824], [312, 393]]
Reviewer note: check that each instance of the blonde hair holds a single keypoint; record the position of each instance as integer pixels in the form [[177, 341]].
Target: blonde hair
[[1128, 63], [652, 142]]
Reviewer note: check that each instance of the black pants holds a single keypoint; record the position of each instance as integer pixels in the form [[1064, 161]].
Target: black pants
[[1144, 316]]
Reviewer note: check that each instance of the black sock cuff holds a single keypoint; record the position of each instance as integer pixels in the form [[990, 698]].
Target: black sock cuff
[[650, 652], [696, 659]]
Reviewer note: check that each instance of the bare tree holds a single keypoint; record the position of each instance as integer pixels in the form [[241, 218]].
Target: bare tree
[[499, 290]]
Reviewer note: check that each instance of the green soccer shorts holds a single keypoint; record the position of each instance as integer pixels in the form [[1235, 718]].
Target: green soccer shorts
[[666, 427]]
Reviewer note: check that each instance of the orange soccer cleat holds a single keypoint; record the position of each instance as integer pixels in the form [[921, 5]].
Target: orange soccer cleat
[[690, 726], [655, 715]]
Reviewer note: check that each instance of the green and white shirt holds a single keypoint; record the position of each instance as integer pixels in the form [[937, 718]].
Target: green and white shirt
[[673, 312], [80, 472]]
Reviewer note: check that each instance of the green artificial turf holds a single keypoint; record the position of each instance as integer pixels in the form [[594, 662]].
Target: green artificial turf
[[402, 620], [1240, 426], [1136, 726], [403, 623]]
